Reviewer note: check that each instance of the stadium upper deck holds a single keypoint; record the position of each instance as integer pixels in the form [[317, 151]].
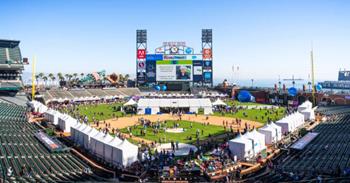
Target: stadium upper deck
[[11, 66]]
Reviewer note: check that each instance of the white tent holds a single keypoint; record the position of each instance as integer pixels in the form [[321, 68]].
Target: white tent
[[99, 142], [219, 102], [130, 103], [270, 134], [258, 141], [112, 152], [52, 116], [84, 136], [193, 105], [285, 125], [291, 122], [65, 122], [306, 105], [309, 114], [241, 147], [95, 143], [130, 152], [74, 131], [278, 131], [39, 107]]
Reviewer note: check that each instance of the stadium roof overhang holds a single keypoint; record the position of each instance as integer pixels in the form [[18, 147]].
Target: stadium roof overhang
[[8, 43]]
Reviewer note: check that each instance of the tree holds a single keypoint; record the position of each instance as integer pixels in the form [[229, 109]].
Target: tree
[[75, 75], [81, 75], [37, 77], [126, 77], [41, 75], [66, 76], [50, 76], [45, 80], [121, 78], [53, 79], [60, 76]]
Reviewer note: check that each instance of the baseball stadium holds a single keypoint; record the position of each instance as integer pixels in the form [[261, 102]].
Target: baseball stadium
[[168, 121]]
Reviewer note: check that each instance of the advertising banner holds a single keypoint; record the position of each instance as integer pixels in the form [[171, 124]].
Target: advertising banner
[[168, 70], [182, 57], [151, 71], [197, 70], [150, 57], [344, 76], [141, 54], [207, 77], [141, 65], [207, 54], [141, 77]]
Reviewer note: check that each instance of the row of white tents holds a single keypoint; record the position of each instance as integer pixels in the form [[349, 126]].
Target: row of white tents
[[160, 95], [84, 99], [253, 142], [110, 149], [152, 106]]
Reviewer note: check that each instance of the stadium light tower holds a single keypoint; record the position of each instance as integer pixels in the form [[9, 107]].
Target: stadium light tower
[[207, 51], [141, 50]]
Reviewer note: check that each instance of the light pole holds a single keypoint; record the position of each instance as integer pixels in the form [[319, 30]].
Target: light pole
[[252, 82]]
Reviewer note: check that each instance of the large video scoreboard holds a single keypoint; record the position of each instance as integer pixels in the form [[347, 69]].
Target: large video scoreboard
[[174, 62]]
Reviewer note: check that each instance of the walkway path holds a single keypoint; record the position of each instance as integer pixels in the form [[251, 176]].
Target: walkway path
[[213, 120]]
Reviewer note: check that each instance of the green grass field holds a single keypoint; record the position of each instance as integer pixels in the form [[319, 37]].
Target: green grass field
[[255, 114], [181, 137], [238, 103], [107, 110]]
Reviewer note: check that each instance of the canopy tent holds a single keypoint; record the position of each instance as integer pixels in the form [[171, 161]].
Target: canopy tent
[[74, 131], [39, 107], [153, 105], [131, 102], [309, 114], [271, 134], [130, 152], [84, 136], [306, 105], [95, 142], [291, 122], [112, 151], [278, 131], [65, 122], [258, 141], [98, 143], [52, 116], [241, 147], [219, 102]]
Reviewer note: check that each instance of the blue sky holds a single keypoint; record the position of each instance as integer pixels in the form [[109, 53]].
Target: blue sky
[[264, 38]]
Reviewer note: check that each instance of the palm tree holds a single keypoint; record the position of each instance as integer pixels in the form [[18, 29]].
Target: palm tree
[[53, 79], [66, 76], [75, 75], [37, 77], [45, 80], [60, 76], [41, 75], [50, 76], [126, 77], [81, 75], [121, 78]]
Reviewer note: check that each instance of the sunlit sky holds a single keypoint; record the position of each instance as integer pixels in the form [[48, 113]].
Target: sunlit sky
[[266, 39]]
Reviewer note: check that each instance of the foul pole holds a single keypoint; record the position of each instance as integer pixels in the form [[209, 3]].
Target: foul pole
[[33, 78], [312, 76]]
